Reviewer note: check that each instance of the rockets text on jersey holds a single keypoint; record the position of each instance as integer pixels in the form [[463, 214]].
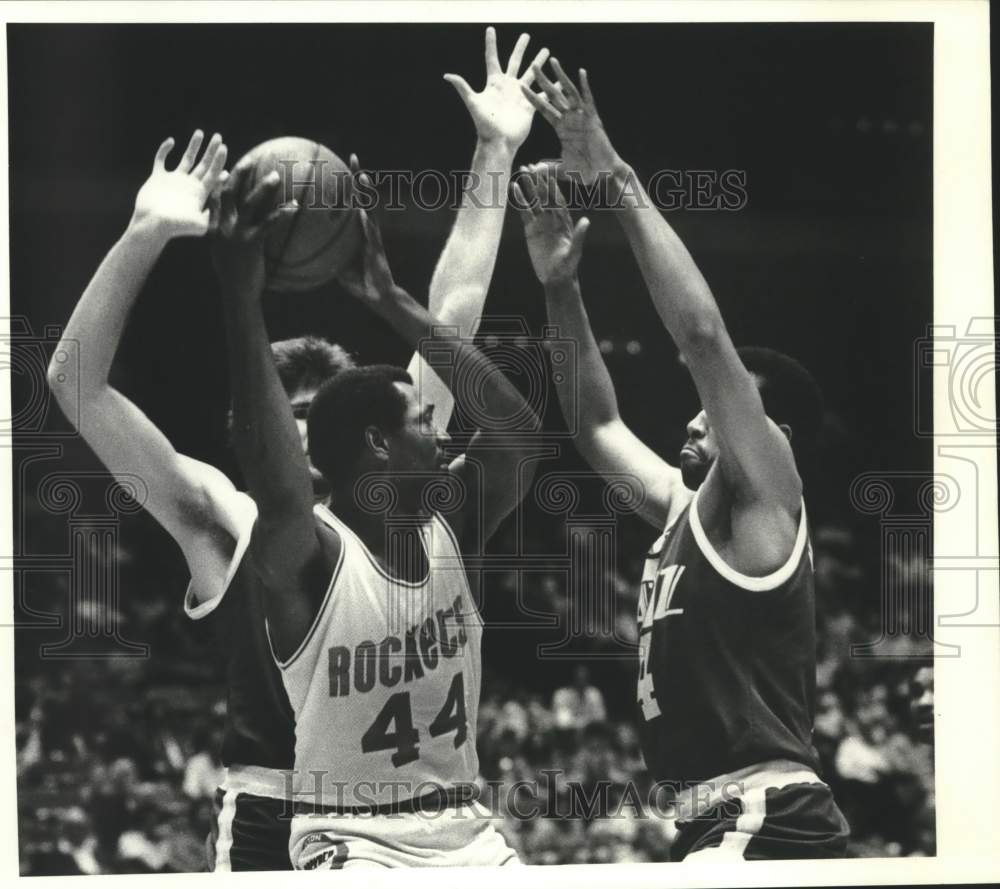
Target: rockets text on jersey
[[385, 687]]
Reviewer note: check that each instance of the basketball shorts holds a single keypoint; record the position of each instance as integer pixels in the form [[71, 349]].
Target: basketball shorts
[[249, 832], [789, 821], [457, 836]]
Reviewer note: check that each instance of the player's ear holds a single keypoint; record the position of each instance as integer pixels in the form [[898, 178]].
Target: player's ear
[[376, 443], [786, 429]]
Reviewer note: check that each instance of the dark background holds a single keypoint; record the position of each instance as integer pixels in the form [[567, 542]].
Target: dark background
[[830, 261]]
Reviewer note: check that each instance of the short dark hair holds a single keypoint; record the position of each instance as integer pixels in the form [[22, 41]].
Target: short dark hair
[[307, 361], [347, 405], [790, 394]]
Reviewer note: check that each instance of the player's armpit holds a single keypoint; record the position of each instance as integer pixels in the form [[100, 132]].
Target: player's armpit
[[216, 549], [296, 568]]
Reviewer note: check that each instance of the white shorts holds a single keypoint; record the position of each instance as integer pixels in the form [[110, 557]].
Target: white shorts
[[462, 836]]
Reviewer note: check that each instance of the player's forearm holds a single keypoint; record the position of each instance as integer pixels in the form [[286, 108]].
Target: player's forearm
[[464, 271], [568, 315], [265, 435], [462, 277], [680, 294], [416, 326], [98, 320]]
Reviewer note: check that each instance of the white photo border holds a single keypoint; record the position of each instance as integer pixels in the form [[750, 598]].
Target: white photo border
[[968, 704]]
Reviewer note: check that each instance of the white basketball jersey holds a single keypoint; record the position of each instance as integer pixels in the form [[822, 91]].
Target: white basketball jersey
[[385, 686]]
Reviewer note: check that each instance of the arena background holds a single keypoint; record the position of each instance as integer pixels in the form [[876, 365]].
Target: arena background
[[829, 261]]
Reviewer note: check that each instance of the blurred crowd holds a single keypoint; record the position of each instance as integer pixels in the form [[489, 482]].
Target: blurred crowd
[[117, 758]]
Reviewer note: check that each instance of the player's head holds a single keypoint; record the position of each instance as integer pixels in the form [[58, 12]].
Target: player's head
[[369, 419], [921, 693], [304, 364], [791, 398]]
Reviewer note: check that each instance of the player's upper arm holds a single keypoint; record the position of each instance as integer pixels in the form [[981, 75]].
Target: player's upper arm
[[613, 450], [190, 499], [755, 457]]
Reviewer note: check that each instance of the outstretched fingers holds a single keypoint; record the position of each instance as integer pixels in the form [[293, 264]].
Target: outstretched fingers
[[568, 86], [517, 55], [201, 168], [577, 238], [216, 169], [553, 91], [191, 152], [465, 92], [166, 146], [585, 86], [492, 59], [522, 204], [541, 105], [531, 71]]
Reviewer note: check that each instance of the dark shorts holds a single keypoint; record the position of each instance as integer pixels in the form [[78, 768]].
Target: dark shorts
[[796, 821], [249, 833]]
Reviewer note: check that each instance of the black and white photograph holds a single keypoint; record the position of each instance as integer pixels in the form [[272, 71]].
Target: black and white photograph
[[493, 443]]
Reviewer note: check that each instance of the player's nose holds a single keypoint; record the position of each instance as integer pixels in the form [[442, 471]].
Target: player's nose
[[697, 428]]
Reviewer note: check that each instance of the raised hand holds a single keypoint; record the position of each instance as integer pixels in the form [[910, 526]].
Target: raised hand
[[243, 219], [501, 111], [369, 277], [554, 243], [177, 202], [587, 152]]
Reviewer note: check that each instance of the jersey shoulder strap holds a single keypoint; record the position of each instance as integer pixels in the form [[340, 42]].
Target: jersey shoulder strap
[[745, 581]]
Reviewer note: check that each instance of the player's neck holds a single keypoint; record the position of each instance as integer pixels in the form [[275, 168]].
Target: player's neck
[[371, 524]]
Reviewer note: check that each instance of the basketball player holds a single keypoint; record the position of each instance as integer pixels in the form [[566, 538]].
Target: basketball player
[[196, 503], [726, 611], [369, 610]]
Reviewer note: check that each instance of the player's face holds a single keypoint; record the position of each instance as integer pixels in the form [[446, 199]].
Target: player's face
[[922, 702], [418, 445], [699, 452], [301, 398]]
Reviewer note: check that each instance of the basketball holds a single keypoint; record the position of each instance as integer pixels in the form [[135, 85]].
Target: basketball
[[307, 248]]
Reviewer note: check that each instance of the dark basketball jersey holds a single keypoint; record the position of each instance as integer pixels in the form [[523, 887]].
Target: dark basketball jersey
[[727, 663], [260, 725]]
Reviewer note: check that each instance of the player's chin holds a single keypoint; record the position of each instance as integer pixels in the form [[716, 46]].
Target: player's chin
[[693, 470]]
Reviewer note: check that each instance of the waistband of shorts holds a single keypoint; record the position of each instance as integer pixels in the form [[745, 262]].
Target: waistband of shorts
[[436, 801], [701, 797], [259, 781]]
